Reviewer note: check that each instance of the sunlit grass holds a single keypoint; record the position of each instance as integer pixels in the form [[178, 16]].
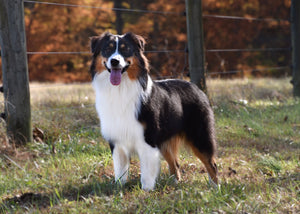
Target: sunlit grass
[[70, 170]]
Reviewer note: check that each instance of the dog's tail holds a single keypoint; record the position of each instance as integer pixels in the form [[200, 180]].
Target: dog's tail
[[201, 138]]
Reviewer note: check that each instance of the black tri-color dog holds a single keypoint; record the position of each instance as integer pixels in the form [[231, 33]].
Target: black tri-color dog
[[150, 118]]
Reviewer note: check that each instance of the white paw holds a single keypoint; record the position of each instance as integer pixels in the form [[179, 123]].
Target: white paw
[[148, 184]]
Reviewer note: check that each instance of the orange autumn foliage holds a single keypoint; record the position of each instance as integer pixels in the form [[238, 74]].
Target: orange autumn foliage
[[53, 28]]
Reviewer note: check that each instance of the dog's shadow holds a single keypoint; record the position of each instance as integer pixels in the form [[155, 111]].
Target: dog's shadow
[[40, 201], [82, 192]]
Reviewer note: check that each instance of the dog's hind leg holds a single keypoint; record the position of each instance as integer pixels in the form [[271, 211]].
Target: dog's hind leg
[[173, 164], [169, 151], [209, 163], [121, 164]]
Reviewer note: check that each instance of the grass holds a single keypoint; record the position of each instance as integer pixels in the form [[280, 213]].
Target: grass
[[69, 168]]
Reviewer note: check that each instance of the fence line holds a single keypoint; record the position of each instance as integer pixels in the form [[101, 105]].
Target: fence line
[[160, 12], [246, 18], [88, 52], [250, 70], [250, 50], [105, 8], [180, 74], [56, 52], [169, 51], [173, 51]]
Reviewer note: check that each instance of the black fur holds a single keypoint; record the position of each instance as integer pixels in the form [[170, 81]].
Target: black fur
[[174, 107]]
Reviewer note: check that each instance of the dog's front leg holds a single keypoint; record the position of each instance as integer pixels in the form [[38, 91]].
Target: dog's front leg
[[121, 164], [150, 166]]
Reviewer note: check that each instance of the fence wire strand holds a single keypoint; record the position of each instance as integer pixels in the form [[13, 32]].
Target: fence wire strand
[[168, 51], [88, 52], [246, 18], [250, 50], [249, 70], [104, 8]]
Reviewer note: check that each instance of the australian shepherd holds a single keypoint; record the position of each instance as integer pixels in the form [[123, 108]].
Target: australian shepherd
[[150, 118]]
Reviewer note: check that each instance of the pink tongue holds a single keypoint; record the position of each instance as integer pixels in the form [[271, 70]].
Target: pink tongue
[[115, 76]]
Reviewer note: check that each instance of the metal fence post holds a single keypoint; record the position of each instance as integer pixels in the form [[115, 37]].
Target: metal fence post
[[295, 33], [195, 42], [15, 71]]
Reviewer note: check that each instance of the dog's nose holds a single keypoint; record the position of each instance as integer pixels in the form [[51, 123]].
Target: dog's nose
[[114, 62]]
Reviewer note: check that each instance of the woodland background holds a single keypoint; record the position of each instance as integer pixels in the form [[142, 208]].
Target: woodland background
[[53, 28]]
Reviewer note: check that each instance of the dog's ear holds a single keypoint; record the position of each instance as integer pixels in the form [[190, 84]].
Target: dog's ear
[[93, 43], [138, 40], [96, 41]]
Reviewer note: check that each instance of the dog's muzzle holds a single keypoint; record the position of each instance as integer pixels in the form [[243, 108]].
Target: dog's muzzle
[[116, 71]]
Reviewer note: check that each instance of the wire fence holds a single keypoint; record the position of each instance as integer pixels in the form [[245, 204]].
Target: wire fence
[[158, 12], [210, 73], [278, 20]]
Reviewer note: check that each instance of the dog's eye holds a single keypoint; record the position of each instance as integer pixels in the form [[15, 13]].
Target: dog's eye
[[108, 50], [125, 50]]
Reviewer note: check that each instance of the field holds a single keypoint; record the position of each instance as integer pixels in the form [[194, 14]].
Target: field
[[68, 168]]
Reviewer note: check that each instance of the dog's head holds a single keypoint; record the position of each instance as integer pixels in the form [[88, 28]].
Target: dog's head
[[118, 54]]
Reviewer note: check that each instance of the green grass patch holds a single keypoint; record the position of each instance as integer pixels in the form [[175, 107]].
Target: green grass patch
[[69, 168]]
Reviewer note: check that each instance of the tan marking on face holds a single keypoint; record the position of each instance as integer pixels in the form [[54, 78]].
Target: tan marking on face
[[134, 69], [100, 64]]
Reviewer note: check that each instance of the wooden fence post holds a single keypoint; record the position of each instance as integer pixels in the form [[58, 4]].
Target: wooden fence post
[[195, 42], [15, 71], [119, 19], [295, 33]]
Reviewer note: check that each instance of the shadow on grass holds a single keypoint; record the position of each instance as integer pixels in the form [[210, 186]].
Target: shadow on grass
[[237, 189], [41, 201], [25, 201]]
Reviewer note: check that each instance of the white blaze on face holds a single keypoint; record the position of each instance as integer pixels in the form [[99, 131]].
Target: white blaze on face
[[116, 63], [116, 56]]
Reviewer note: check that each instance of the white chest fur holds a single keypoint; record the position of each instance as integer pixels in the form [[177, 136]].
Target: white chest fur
[[117, 107]]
